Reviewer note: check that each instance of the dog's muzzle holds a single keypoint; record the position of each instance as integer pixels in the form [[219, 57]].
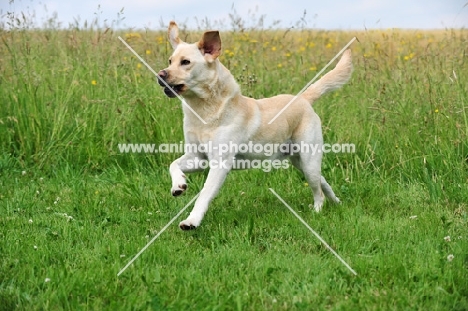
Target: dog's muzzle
[[173, 90]]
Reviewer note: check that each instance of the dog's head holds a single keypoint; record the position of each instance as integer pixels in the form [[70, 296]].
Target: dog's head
[[192, 67]]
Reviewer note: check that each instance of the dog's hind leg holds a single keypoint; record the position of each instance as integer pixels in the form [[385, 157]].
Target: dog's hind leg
[[328, 191], [325, 188], [310, 167]]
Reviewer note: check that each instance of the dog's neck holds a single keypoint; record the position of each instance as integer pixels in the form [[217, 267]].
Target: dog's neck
[[210, 102]]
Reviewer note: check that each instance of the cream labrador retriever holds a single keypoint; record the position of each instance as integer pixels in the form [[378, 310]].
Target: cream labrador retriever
[[223, 117]]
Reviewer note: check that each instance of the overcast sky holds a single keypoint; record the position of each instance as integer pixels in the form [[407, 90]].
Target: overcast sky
[[325, 14]]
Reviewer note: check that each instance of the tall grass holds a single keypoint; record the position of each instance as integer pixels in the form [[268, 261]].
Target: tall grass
[[73, 95]]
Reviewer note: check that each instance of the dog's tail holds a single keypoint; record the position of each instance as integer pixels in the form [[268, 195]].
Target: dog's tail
[[333, 80]]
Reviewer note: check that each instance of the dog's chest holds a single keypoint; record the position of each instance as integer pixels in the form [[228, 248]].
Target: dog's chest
[[199, 136]]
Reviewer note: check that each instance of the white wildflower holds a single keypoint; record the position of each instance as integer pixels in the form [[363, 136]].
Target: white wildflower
[[413, 217], [447, 238], [47, 280], [30, 221], [450, 257]]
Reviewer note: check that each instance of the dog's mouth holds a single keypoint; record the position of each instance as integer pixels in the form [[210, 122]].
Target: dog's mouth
[[173, 90]]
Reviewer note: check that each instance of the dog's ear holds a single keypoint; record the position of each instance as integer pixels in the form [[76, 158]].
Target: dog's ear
[[210, 45], [173, 34]]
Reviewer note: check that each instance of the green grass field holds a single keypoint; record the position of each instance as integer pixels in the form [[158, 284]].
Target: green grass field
[[74, 210]]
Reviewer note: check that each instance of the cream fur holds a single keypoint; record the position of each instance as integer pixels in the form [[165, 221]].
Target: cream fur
[[211, 90]]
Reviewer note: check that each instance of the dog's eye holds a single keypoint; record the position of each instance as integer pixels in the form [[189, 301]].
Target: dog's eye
[[185, 62], [170, 62]]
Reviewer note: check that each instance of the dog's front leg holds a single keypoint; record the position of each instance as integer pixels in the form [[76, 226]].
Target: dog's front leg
[[214, 181], [188, 163]]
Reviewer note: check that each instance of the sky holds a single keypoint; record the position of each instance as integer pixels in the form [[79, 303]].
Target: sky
[[324, 14]]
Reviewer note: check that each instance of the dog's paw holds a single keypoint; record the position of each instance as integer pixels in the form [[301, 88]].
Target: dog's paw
[[179, 190], [186, 227], [189, 224], [318, 207]]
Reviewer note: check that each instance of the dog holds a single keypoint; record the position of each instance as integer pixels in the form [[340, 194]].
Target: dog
[[217, 114]]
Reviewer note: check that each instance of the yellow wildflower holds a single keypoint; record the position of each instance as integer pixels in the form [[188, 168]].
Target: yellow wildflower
[[228, 53], [132, 35], [409, 56], [94, 82]]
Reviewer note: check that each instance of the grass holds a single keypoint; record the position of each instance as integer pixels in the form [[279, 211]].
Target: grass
[[74, 210]]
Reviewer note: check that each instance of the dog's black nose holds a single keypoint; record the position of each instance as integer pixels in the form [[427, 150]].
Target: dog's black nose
[[163, 75]]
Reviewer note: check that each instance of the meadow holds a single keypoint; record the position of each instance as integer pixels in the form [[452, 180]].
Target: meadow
[[74, 210]]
